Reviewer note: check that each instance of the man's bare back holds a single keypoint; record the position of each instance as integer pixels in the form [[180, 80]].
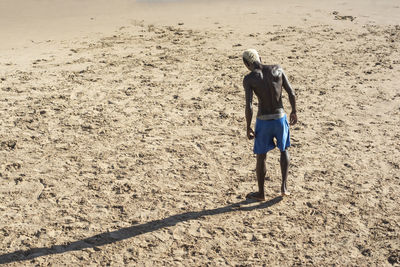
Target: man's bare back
[[267, 82]]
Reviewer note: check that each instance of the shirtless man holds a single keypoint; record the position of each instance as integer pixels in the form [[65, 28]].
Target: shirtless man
[[266, 81]]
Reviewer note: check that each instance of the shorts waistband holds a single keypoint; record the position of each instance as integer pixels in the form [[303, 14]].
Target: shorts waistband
[[275, 116]]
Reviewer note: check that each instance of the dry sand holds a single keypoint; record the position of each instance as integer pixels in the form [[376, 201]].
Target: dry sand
[[123, 142]]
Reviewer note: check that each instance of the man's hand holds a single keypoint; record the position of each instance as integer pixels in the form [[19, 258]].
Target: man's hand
[[293, 118], [250, 133]]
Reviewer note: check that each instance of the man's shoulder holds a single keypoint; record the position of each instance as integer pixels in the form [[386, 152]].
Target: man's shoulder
[[246, 77], [249, 77], [276, 70]]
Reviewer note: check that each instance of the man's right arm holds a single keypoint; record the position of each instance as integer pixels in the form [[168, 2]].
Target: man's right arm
[[292, 98], [249, 107]]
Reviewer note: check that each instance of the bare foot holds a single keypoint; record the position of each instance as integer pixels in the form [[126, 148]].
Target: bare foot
[[285, 193], [256, 196]]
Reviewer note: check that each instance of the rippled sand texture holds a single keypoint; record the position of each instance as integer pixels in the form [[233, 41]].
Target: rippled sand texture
[[130, 149]]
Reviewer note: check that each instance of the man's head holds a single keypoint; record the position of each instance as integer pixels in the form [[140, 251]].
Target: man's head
[[251, 59]]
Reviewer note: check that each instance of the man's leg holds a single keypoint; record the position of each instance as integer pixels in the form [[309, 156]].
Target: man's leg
[[284, 169], [261, 172]]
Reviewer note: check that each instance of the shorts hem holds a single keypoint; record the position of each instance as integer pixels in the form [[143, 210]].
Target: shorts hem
[[285, 148], [266, 151]]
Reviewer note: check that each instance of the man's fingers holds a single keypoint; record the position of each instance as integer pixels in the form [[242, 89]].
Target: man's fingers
[[250, 134], [293, 119]]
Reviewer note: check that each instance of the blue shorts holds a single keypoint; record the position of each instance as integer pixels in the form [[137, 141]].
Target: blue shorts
[[265, 132]]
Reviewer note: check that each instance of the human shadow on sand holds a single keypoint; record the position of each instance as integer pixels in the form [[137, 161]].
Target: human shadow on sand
[[132, 231]]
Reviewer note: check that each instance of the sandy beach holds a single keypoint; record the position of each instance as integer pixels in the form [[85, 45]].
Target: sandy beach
[[123, 142]]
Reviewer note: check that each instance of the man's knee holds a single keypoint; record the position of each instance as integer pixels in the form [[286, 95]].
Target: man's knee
[[261, 157], [285, 154]]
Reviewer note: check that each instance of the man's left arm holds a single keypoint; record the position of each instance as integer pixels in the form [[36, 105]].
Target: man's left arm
[[292, 98]]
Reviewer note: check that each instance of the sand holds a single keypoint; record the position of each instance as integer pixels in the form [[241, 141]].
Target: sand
[[123, 142]]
